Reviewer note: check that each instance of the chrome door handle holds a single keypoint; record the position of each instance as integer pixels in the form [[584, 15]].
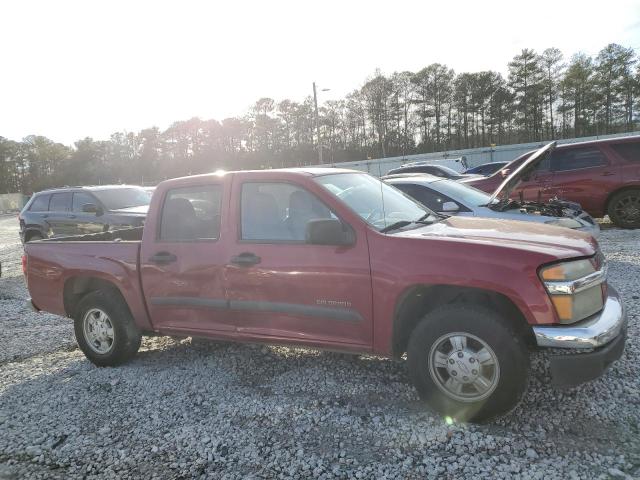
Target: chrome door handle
[[163, 258]]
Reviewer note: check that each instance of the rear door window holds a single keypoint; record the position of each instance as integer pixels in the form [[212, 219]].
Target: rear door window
[[60, 202], [40, 204], [576, 159], [191, 214], [628, 151]]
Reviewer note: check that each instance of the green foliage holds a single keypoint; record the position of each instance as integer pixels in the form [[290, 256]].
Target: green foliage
[[403, 113]]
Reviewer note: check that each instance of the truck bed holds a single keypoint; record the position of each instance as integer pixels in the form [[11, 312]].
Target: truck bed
[[57, 268]]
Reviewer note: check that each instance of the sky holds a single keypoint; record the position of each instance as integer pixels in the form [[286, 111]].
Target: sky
[[75, 69]]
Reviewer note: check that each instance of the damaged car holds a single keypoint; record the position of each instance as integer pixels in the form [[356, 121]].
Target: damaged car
[[455, 198]]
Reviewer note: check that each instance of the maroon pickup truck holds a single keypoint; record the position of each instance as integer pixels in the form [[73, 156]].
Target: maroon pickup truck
[[336, 259]]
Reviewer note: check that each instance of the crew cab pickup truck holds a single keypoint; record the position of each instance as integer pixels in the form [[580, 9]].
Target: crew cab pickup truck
[[337, 259]]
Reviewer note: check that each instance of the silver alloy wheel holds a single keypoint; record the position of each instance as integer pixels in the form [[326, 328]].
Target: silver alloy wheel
[[98, 331], [464, 367]]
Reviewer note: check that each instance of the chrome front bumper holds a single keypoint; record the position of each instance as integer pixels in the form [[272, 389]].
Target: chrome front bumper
[[592, 332]]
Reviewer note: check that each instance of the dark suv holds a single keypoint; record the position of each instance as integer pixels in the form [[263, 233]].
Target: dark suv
[[81, 210]]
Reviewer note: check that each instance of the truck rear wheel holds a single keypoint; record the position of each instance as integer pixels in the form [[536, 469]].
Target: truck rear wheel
[[624, 209], [105, 330], [467, 363]]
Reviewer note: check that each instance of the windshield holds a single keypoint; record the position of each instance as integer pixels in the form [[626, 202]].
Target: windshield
[[379, 204], [462, 193], [123, 197]]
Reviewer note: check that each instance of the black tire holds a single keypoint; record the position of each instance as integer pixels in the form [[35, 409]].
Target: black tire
[[508, 349], [624, 209], [126, 336]]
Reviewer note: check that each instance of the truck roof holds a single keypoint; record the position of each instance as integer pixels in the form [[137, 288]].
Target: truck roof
[[307, 171]]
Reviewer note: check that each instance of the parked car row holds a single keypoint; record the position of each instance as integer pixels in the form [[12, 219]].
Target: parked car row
[[602, 177], [457, 198], [568, 187]]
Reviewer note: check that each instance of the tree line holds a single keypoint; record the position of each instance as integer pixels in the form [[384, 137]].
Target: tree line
[[544, 96]]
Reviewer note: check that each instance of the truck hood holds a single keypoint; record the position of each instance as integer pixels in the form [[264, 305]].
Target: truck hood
[[556, 242], [137, 211], [523, 171]]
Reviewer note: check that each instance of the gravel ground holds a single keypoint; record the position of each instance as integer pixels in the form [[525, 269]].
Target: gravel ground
[[217, 410], [23, 332]]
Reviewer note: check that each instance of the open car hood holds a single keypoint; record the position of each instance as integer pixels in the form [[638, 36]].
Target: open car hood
[[524, 170]]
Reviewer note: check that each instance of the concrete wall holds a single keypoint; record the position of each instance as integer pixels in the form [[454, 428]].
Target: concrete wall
[[474, 156]]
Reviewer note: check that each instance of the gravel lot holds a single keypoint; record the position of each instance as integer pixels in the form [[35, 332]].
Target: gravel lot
[[216, 410]]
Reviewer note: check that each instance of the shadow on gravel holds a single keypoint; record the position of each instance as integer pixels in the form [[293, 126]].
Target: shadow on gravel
[[173, 394]]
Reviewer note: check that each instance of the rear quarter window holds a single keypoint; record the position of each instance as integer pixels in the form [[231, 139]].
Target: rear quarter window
[[630, 151], [191, 214], [40, 203]]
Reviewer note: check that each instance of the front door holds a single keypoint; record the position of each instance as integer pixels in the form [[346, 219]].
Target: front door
[[283, 289], [182, 262]]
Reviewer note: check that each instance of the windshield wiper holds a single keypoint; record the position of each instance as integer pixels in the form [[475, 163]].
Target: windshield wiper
[[404, 223], [396, 225]]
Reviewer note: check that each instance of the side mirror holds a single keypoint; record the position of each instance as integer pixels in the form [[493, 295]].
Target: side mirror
[[329, 232], [450, 207], [92, 208]]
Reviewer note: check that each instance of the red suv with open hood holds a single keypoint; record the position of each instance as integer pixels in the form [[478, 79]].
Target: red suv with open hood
[[603, 176]]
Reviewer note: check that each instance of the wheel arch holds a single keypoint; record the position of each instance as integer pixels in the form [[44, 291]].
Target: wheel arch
[[77, 287], [32, 230], [418, 300]]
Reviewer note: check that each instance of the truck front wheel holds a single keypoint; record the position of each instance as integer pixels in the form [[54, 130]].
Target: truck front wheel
[[468, 363], [105, 330]]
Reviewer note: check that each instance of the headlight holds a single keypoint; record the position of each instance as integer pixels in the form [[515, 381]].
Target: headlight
[[576, 288], [564, 222]]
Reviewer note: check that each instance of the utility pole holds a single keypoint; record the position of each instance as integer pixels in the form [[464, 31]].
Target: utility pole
[[315, 101]]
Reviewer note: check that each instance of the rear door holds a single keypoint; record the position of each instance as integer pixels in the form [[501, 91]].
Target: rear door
[[283, 289], [60, 218], [182, 260], [584, 175]]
